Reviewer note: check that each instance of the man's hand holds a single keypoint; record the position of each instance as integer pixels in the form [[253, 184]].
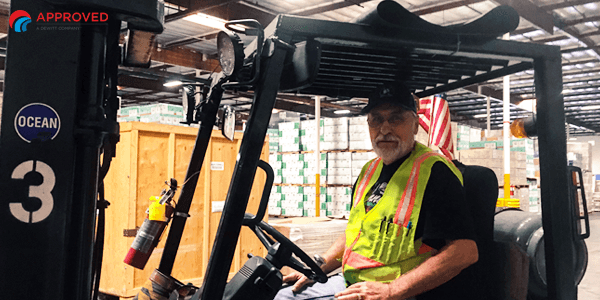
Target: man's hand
[[299, 279], [366, 290]]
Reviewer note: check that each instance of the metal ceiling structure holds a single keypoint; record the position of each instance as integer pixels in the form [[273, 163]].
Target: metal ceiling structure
[[187, 51]]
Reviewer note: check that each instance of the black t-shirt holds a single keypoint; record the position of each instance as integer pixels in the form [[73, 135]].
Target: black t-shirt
[[444, 216]]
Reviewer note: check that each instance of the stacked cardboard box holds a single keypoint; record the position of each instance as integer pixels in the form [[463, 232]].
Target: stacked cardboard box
[[289, 140], [310, 170], [580, 155], [358, 132], [276, 164], [336, 134], [359, 159], [493, 159], [522, 194], [595, 202], [153, 113], [463, 137], [339, 168], [339, 202], [309, 133], [534, 196], [297, 201], [273, 135], [161, 113], [127, 114]]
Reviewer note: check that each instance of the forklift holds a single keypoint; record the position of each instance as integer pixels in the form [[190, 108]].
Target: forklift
[[52, 218]]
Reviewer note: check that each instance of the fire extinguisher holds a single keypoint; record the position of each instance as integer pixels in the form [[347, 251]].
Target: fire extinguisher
[[158, 216]]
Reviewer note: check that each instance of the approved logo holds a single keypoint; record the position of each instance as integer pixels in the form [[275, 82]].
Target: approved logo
[[19, 20]]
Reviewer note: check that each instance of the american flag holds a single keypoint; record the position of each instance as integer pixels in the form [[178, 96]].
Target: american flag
[[434, 117]]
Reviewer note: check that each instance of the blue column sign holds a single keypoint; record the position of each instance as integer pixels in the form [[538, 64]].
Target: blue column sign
[[37, 121]]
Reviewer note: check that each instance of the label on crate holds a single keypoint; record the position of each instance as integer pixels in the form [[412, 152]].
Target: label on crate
[[217, 166], [217, 206]]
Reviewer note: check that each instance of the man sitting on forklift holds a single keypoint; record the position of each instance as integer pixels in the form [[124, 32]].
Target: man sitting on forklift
[[410, 234]]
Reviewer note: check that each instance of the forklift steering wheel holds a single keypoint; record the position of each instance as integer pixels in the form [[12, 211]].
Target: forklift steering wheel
[[314, 272]]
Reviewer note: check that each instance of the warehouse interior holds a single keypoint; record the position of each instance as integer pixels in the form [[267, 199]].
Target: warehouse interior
[[317, 162]]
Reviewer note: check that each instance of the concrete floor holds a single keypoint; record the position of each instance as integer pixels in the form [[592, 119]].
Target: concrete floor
[[589, 288]]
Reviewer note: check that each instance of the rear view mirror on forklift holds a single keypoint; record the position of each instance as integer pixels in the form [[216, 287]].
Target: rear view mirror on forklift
[[228, 123]]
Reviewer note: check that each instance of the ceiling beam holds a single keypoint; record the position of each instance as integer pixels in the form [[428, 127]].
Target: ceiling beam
[[531, 13], [588, 34], [419, 11], [301, 108], [319, 9], [550, 39], [162, 76], [197, 6], [144, 84], [184, 57], [497, 94], [523, 30], [287, 105], [171, 99], [565, 4], [191, 39], [310, 101], [569, 23]]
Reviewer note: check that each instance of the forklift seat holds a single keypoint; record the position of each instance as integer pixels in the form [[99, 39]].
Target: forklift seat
[[502, 268]]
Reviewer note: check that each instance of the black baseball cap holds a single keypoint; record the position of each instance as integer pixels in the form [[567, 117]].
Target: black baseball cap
[[396, 94]]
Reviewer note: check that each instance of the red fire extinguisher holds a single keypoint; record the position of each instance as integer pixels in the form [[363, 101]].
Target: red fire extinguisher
[[158, 216]]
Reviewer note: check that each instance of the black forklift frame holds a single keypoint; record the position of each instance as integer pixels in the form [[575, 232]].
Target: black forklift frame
[[338, 39], [51, 259]]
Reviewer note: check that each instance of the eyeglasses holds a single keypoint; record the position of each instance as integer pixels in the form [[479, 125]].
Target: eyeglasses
[[377, 121]]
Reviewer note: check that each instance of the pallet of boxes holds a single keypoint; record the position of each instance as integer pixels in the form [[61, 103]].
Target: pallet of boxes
[[487, 150], [580, 155], [595, 195], [161, 113], [345, 147]]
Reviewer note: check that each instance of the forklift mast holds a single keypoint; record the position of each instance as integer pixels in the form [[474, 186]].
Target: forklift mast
[[59, 112]]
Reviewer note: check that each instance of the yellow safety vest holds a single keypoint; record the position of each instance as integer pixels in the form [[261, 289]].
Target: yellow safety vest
[[382, 251]]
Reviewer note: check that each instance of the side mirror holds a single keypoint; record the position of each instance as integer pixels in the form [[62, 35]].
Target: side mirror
[[188, 102], [228, 124]]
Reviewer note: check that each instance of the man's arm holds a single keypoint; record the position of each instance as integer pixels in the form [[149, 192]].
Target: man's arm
[[332, 255], [435, 271]]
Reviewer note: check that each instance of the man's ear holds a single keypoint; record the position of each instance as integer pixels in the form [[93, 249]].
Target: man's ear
[[416, 130]]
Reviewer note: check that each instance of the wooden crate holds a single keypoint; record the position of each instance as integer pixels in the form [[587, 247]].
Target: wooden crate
[[147, 155]]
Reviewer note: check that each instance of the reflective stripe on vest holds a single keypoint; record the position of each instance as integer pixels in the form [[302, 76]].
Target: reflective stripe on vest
[[406, 204], [366, 178]]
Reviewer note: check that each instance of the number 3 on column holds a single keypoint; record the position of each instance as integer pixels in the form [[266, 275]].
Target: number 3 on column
[[42, 192]]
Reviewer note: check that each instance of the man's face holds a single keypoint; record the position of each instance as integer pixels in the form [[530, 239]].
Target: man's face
[[392, 130]]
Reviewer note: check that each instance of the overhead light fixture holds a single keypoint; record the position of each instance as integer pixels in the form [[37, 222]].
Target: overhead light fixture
[[591, 107], [572, 139], [275, 110], [480, 116], [173, 83], [209, 21], [568, 91], [341, 112]]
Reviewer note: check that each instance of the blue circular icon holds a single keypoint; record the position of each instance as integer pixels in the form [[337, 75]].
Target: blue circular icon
[[37, 121]]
